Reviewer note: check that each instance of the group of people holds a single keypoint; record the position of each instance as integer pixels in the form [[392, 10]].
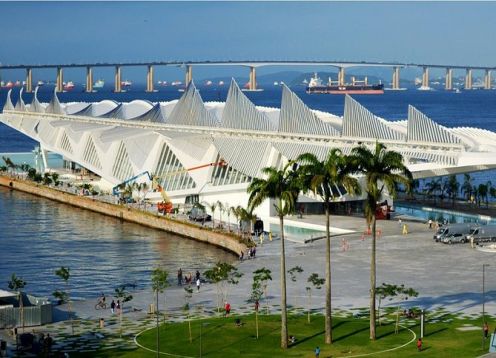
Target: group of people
[[188, 278], [115, 307], [433, 225]]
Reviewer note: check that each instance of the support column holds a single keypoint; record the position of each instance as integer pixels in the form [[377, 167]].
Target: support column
[[468, 79], [60, 79], [89, 79], [448, 83], [149, 79], [396, 78], [425, 77], [117, 79], [29, 80], [189, 75], [252, 86], [341, 76], [487, 80]]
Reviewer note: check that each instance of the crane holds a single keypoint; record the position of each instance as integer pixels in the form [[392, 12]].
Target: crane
[[166, 205]]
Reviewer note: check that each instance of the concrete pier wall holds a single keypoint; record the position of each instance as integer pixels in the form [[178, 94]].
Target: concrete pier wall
[[190, 230]]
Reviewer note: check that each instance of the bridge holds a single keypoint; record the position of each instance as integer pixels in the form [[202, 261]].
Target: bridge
[[252, 65]]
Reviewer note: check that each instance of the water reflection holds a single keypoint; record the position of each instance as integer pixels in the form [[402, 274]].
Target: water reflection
[[37, 236]]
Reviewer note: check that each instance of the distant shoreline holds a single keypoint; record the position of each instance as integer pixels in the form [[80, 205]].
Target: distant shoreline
[[223, 240]]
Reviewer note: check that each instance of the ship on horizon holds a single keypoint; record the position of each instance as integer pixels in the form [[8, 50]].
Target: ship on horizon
[[333, 87], [99, 84]]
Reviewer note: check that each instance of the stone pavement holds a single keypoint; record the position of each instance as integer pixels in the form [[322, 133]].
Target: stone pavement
[[447, 277]]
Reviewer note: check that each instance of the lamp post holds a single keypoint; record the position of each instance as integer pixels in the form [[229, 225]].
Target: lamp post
[[483, 302]]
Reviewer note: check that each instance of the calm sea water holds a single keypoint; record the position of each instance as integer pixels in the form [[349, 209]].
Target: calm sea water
[[37, 236]]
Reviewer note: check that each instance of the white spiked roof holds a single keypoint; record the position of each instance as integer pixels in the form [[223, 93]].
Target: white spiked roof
[[240, 113], [296, 117], [191, 111], [423, 129], [360, 122]]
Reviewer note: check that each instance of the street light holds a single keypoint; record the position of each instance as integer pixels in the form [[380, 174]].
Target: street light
[[483, 302]]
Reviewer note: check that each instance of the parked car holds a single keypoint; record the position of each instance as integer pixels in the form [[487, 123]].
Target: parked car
[[457, 238], [197, 214], [453, 229], [483, 234]]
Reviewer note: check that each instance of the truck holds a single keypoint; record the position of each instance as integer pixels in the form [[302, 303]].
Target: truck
[[484, 233], [453, 231]]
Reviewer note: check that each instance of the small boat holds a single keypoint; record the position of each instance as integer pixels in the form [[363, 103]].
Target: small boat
[[208, 83], [69, 86], [176, 83], [126, 83], [99, 84], [276, 83], [8, 85], [457, 90], [424, 88], [17, 83], [162, 83], [41, 83], [221, 83]]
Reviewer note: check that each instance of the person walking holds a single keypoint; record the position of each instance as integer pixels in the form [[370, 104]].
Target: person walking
[[317, 352], [118, 306], [112, 306], [419, 344], [486, 330], [179, 277], [227, 308], [197, 274], [198, 283]]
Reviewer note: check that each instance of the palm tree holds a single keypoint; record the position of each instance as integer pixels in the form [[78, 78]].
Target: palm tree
[[467, 186], [221, 208], [227, 208], [453, 187], [212, 207], [323, 178], [282, 186], [383, 169], [433, 187], [65, 274], [159, 284], [483, 190]]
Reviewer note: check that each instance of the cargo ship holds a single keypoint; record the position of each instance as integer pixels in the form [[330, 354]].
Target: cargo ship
[[333, 87]]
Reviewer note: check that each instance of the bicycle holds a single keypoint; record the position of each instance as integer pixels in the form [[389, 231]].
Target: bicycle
[[101, 304]]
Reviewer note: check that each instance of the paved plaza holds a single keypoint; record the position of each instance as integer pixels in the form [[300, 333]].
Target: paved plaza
[[447, 277]]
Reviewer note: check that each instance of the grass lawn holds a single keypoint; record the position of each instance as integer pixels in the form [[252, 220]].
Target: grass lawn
[[221, 338]]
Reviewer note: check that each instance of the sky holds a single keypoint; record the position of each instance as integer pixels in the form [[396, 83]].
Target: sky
[[458, 33]]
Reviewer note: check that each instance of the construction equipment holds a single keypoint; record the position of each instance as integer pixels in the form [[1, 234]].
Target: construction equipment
[[165, 206], [115, 189]]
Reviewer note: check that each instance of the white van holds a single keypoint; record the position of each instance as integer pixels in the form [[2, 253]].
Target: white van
[[453, 230], [483, 234]]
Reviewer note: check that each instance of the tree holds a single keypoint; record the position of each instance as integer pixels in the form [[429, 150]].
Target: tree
[[323, 178], [483, 191], [263, 276], [212, 207], [433, 188], [236, 212], [159, 284], [221, 208], [467, 186], [404, 293], [17, 284], [453, 187], [282, 186], [46, 179], [123, 296], [227, 208], [223, 275], [382, 169], [55, 178], [65, 274], [316, 282], [294, 273], [382, 292]]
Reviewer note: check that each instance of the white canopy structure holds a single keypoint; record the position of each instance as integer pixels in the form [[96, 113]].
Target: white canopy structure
[[120, 140]]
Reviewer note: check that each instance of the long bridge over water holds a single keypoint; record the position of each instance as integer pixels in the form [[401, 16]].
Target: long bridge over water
[[252, 65]]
